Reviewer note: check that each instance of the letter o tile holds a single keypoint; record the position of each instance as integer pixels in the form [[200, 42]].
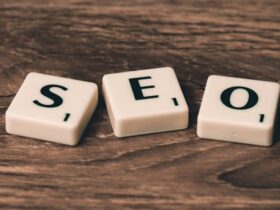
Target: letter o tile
[[238, 110]]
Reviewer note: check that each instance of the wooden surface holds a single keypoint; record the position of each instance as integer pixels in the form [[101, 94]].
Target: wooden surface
[[85, 39]]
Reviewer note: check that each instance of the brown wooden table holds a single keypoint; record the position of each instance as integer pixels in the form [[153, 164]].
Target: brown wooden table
[[85, 39]]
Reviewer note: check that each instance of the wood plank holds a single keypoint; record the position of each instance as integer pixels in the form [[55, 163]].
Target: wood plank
[[85, 39]]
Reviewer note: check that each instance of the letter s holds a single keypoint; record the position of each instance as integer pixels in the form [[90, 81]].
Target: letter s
[[57, 100]]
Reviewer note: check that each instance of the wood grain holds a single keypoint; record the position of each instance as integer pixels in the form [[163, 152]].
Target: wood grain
[[85, 39]]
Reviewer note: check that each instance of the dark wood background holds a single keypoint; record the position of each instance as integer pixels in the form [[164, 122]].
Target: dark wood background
[[85, 39]]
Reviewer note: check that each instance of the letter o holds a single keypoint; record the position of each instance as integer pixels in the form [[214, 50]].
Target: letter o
[[252, 101]]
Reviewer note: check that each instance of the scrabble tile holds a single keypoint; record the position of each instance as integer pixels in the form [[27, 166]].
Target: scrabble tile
[[145, 101], [238, 110], [52, 108]]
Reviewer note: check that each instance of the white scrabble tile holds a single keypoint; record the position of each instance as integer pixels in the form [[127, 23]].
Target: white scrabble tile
[[52, 108], [145, 101], [238, 110]]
